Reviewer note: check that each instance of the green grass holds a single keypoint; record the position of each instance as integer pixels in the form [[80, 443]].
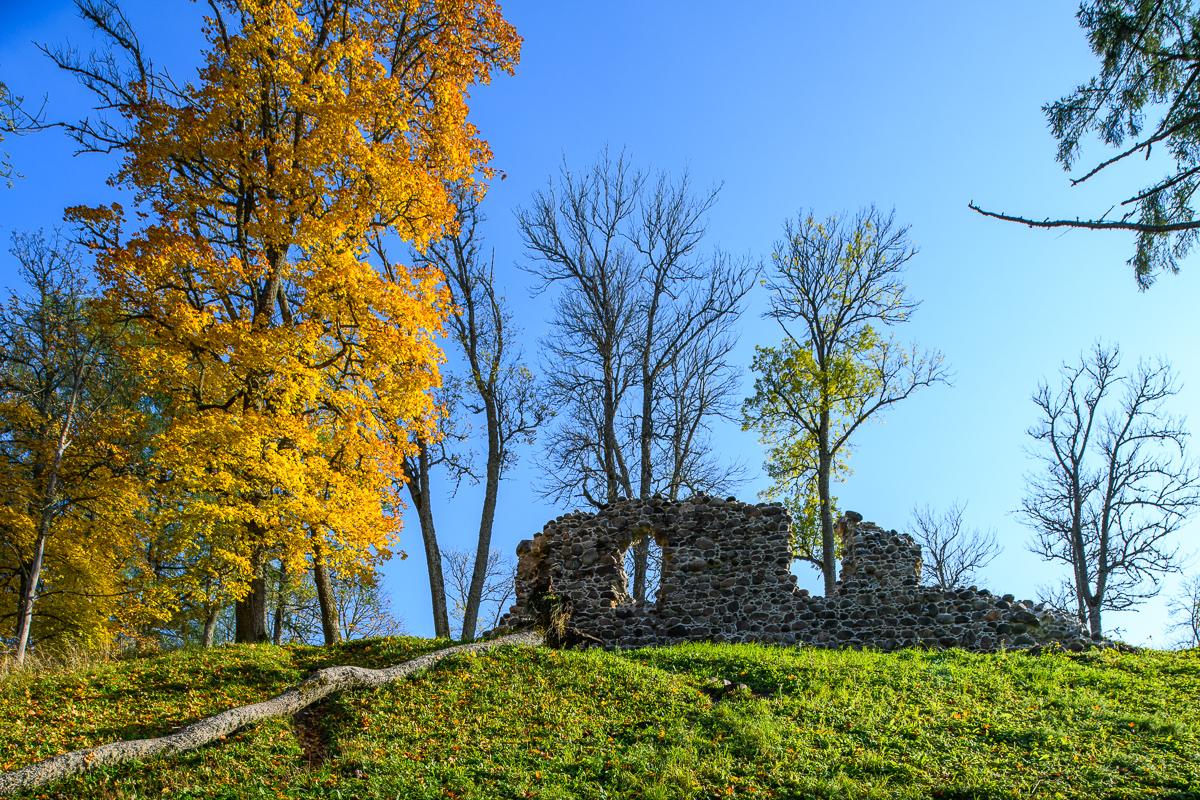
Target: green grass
[[517, 723]]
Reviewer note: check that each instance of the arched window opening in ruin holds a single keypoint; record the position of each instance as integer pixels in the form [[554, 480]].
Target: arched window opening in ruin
[[645, 543]]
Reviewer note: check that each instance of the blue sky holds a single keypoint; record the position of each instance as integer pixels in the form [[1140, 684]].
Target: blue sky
[[790, 106]]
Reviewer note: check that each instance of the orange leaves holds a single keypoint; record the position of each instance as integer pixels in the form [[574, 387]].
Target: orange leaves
[[290, 373]]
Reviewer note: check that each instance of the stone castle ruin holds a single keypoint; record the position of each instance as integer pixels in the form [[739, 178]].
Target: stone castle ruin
[[726, 576]]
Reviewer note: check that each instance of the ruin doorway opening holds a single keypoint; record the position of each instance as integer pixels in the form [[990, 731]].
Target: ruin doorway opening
[[642, 587]]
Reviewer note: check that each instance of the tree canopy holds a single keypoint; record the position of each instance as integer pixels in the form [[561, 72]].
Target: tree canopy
[[291, 372], [837, 285]]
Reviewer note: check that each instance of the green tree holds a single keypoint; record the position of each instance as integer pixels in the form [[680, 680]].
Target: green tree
[[796, 488], [836, 285], [1146, 97]]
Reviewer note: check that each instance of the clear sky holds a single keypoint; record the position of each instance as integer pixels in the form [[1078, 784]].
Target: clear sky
[[790, 106]]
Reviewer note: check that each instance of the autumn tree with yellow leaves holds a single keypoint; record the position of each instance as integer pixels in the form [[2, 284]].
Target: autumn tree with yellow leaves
[[69, 489], [293, 372]]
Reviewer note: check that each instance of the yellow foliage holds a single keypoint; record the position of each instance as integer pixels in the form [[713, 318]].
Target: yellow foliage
[[93, 531], [291, 374]]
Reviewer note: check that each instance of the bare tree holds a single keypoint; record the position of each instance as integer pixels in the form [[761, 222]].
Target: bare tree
[[1185, 613], [952, 553], [499, 387], [417, 473], [835, 282], [699, 388], [574, 232], [9, 110], [1058, 596], [573, 450], [498, 588], [641, 313], [363, 608], [688, 305], [643, 541], [1115, 484]]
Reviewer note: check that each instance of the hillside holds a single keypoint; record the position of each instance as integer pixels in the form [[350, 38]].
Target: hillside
[[650, 723]]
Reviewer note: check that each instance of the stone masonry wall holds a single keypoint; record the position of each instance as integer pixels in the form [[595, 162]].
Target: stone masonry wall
[[726, 576]]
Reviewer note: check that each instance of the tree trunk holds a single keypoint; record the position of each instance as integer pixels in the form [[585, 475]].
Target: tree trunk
[[280, 600], [250, 613], [641, 565], [418, 490], [1086, 600], [641, 547], [1094, 625], [33, 574], [29, 594], [1080, 606], [609, 434], [828, 545], [210, 625], [331, 626], [483, 548]]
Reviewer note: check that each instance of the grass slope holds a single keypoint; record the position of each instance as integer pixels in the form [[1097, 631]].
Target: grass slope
[[517, 723]]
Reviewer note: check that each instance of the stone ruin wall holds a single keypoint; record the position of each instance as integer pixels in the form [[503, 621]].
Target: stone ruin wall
[[726, 576]]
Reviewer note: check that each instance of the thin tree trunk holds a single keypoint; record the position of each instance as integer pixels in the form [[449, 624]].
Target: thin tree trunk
[[1079, 564], [418, 490], [641, 547], [210, 625], [28, 595], [609, 433], [483, 548], [34, 573], [1102, 563], [1094, 624], [280, 600], [331, 626], [828, 545], [641, 565], [22, 588], [1079, 584]]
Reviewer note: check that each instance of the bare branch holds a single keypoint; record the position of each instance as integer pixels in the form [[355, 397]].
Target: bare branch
[[1096, 224], [1115, 483], [952, 553], [1185, 613], [644, 322]]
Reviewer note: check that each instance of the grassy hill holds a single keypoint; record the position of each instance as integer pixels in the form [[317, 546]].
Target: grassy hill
[[518, 723]]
